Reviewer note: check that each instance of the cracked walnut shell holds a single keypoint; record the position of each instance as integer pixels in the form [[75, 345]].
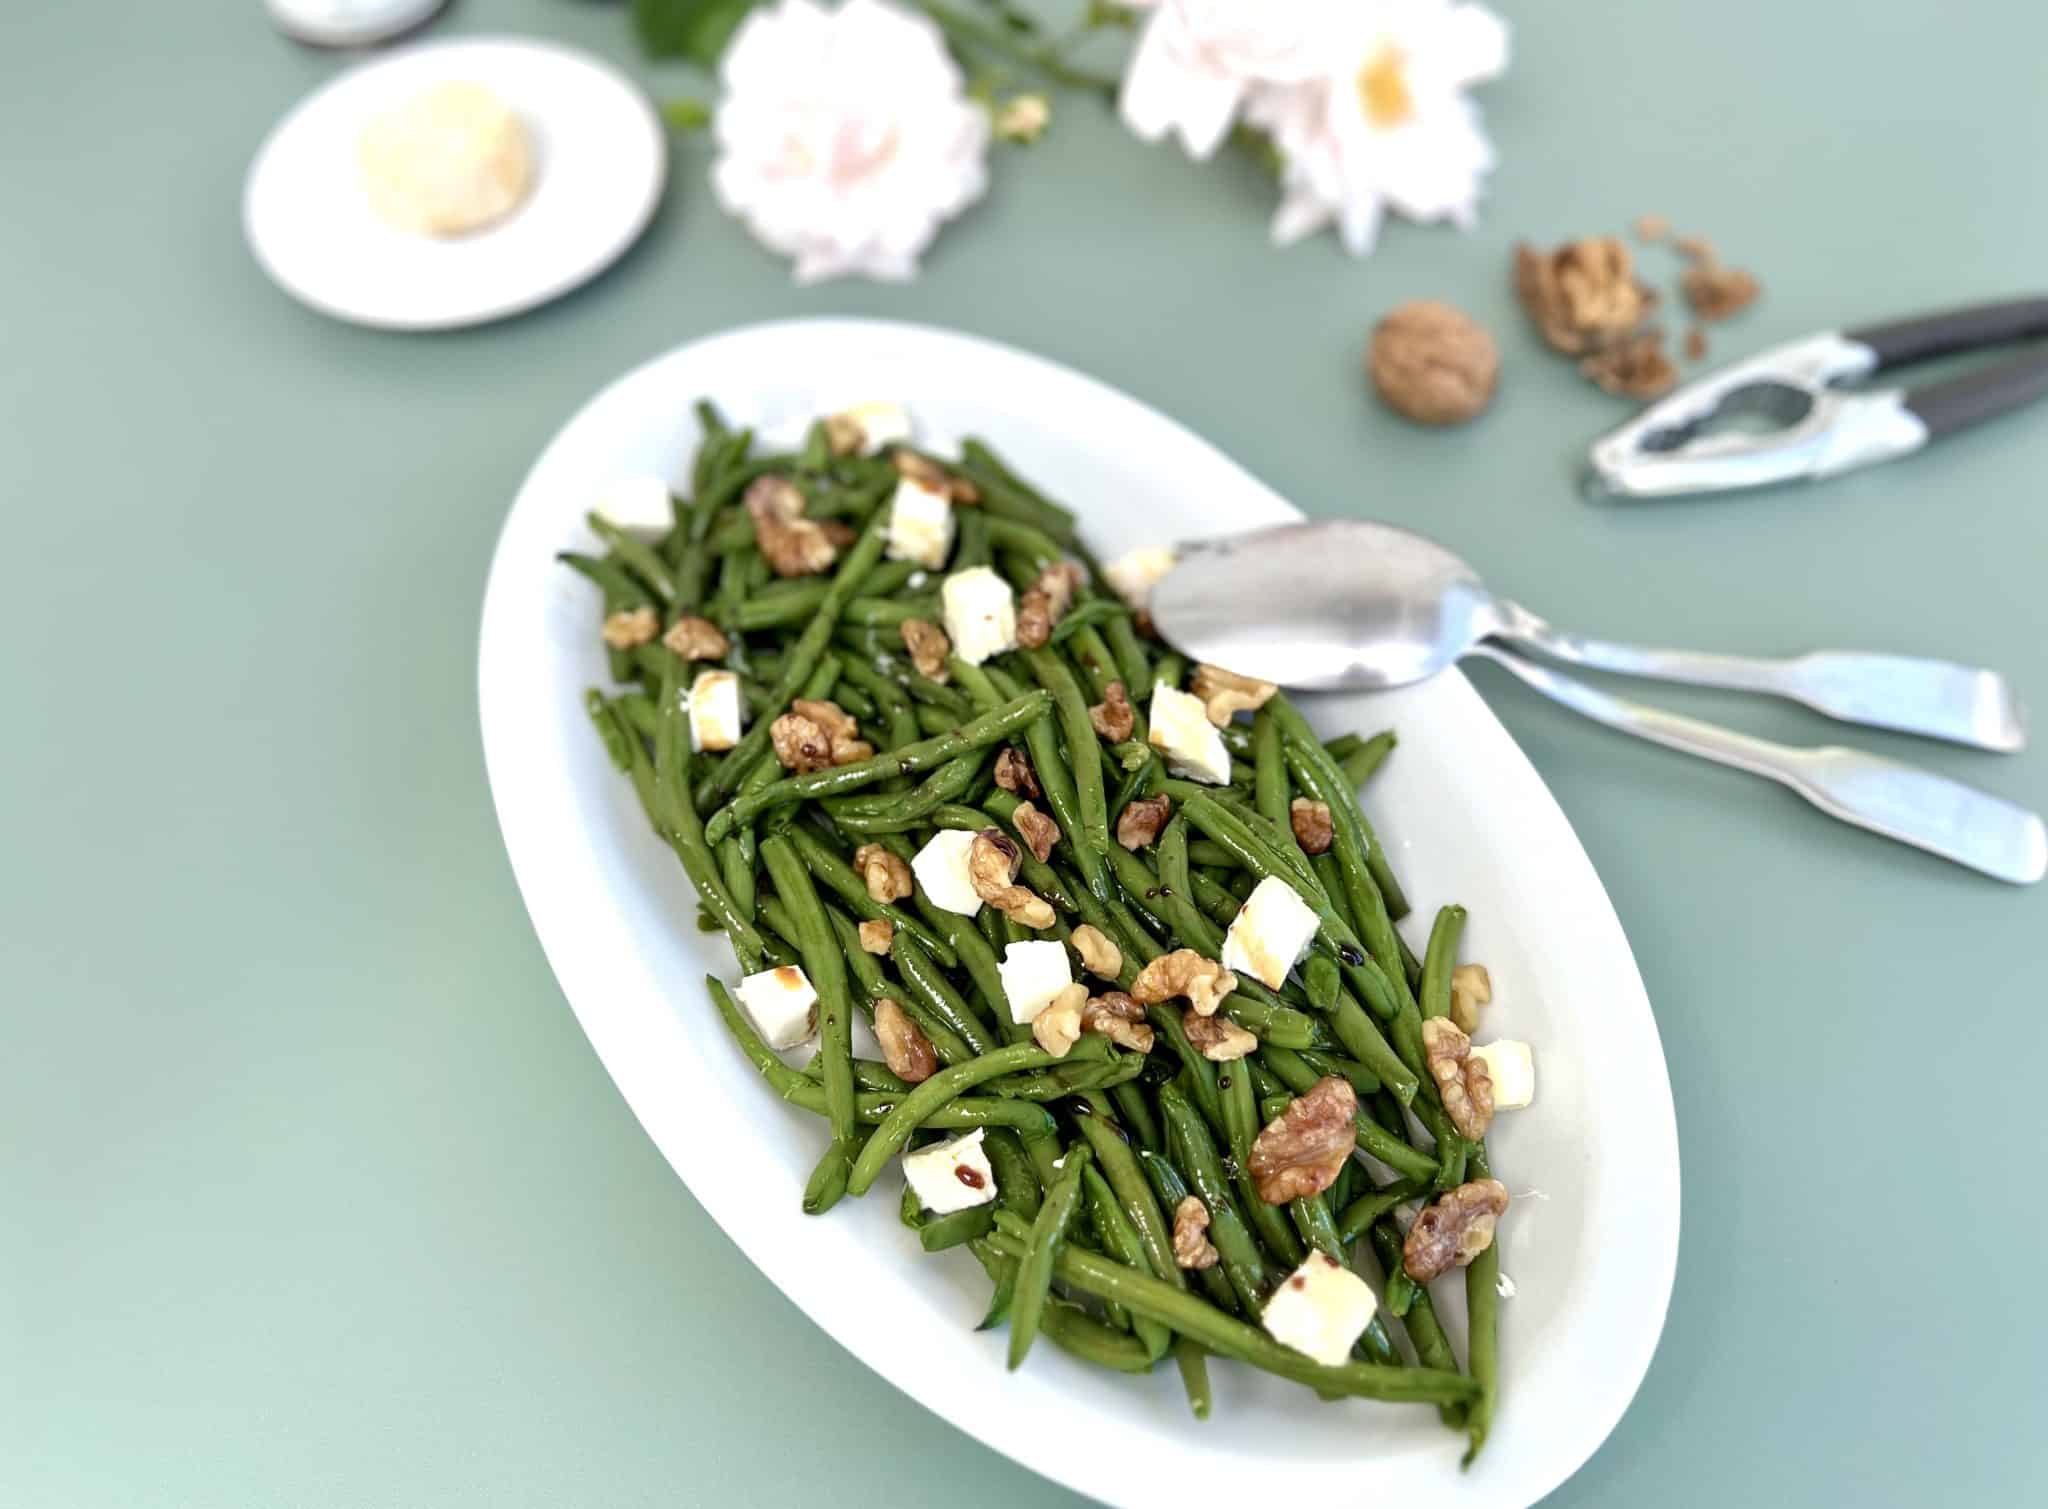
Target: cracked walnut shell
[[1301, 1152], [1454, 1230], [1433, 363], [1582, 295]]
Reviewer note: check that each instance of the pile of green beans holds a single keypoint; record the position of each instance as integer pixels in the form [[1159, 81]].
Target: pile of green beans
[[1093, 1149]]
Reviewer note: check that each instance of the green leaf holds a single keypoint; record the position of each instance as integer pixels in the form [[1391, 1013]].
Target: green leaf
[[695, 29]]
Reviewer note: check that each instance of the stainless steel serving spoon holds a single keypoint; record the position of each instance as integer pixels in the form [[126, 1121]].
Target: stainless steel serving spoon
[[1345, 604]]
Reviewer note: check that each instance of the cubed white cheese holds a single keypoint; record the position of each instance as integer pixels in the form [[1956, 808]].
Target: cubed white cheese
[[920, 526], [980, 613], [1320, 1309], [781, 1005], [951, 1175], [1181, 731], [882, 423], [1512, 1068], [715, 710], [1033, 973], [940, 869], [1133, 575], [1270, 932], [639, 504]]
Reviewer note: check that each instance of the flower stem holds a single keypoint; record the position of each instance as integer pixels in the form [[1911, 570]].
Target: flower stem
[[971, 31]]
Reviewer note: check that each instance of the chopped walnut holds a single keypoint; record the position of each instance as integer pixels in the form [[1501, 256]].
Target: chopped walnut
[[1432, 362], [1301, 1151], [1014, 773], [1454, 1230], [1461, 1079], [1695, 343], [1038, 831], [1696, 249], [905, 1048], [792, 544], [1099, 954], [1652, 228], [1191, 1245], [1114, 717], [928, 647], [800, 744], [929, 474], [886, 875], [845, 435], [877, 936], [1143, 820], [1636, 366], [1184, 973], [630, 628], [992, 865], [695, 638], [1217, 1038], [1313, 829], [1058, 1027], [1715, 292], [1117, 1017], [1045, 603], [1582, 295], [1225, 693], [1471, 988], [847, 746], [838, 533]]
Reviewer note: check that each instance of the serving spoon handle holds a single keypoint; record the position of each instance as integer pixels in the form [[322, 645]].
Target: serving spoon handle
[[1917, 807]]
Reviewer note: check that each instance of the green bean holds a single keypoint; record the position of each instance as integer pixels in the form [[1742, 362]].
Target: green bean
[[1438, 961], [1074, 1330], [1017, 1186], [956, 1229], [926, 754], [1132, 661], [1357, 1217], [827, 1184], [932, 991], [1041, 1252], [1372, 1137], [1122, 1169], [1054, 778], [1299, 735], [826, 967], [1432, 1347], [1358, 766], [620, 588], [916, 1107], [837, 876], [1002, 1275], [636, 555], [1482, 1328], [1350, 1071], [608, 719], [1105, 1278], [1136, 1115], [1241, 1128], [1170, 1188], [1117, 1235], [1193, 1363], [899, 814], [1269, 778], [1188, 1143]]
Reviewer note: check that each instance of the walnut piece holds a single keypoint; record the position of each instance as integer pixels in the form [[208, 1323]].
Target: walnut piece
[[847, 746], [630, 628], [1216, 1038], [838, 533], [800, 744], [1432, 363], [1114, 717], [845, 435], [1184, 973], [1045, 603], [1715, 292], [1099, 954], [1313, 828], [1461, 1079], [1584, 294], [1695, 344], [1301, 1151], [1225, 693], [695, 638], [1014, 773], [1471, 988], [905, 1048], [1143, 820], [886, 875], [792, 544], [1117, 1017], [877, 936], [1636, 366], [1454, 1230], [1191, 1245], [927, 473], [992, 865], [1058, 1027], [1652, 228], [1038, 831], [928, 647]]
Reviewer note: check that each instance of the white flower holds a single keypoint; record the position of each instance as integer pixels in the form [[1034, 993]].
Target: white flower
[[1387, 123], [844, 137], [1192, 67]]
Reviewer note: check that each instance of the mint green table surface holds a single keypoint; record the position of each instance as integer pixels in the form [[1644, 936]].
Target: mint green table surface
[[311, 1192]]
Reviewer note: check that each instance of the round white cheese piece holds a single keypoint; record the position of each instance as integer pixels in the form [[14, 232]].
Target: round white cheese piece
[[446, 162]]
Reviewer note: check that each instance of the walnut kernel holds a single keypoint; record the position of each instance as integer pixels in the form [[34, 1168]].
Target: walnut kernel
[[1301, 1151], [1045, 603], [1224, 693], [1635, 366], [1184, 973], [878, 935], [1433, 363], [1454, 1230], [1471, 988], [1099, 954], [928, 474], [1216, 1038], [1582, 295], [1117, 1017], [928, 647], [886, 875], [630, 628], [843, 734], [1014, 773], [792, 544], [1058, 1027], [1038, 831], [1313, 828], [1114, 717], [800, 744], [1143, 820], [695, 638], [1192, 1248], [1715, 292], [905, 1048], [1461, 1079], [992, 864]]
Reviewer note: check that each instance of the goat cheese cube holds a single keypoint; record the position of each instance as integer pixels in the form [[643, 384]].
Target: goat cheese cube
[[920, 526], [980, 612], [1321, 1309], [1033, 973], [781, 1005], [715, 711], [1270, 933], [882, 423], [942, 874], [1133, 575], [951, 1175], [639, 504], [1512, 1068], [1181, 731]]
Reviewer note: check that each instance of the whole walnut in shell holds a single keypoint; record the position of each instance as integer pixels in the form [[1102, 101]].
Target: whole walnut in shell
[[1433, 363]]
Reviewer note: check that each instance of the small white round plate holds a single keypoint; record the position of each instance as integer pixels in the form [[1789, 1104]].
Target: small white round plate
[[600, 160]]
